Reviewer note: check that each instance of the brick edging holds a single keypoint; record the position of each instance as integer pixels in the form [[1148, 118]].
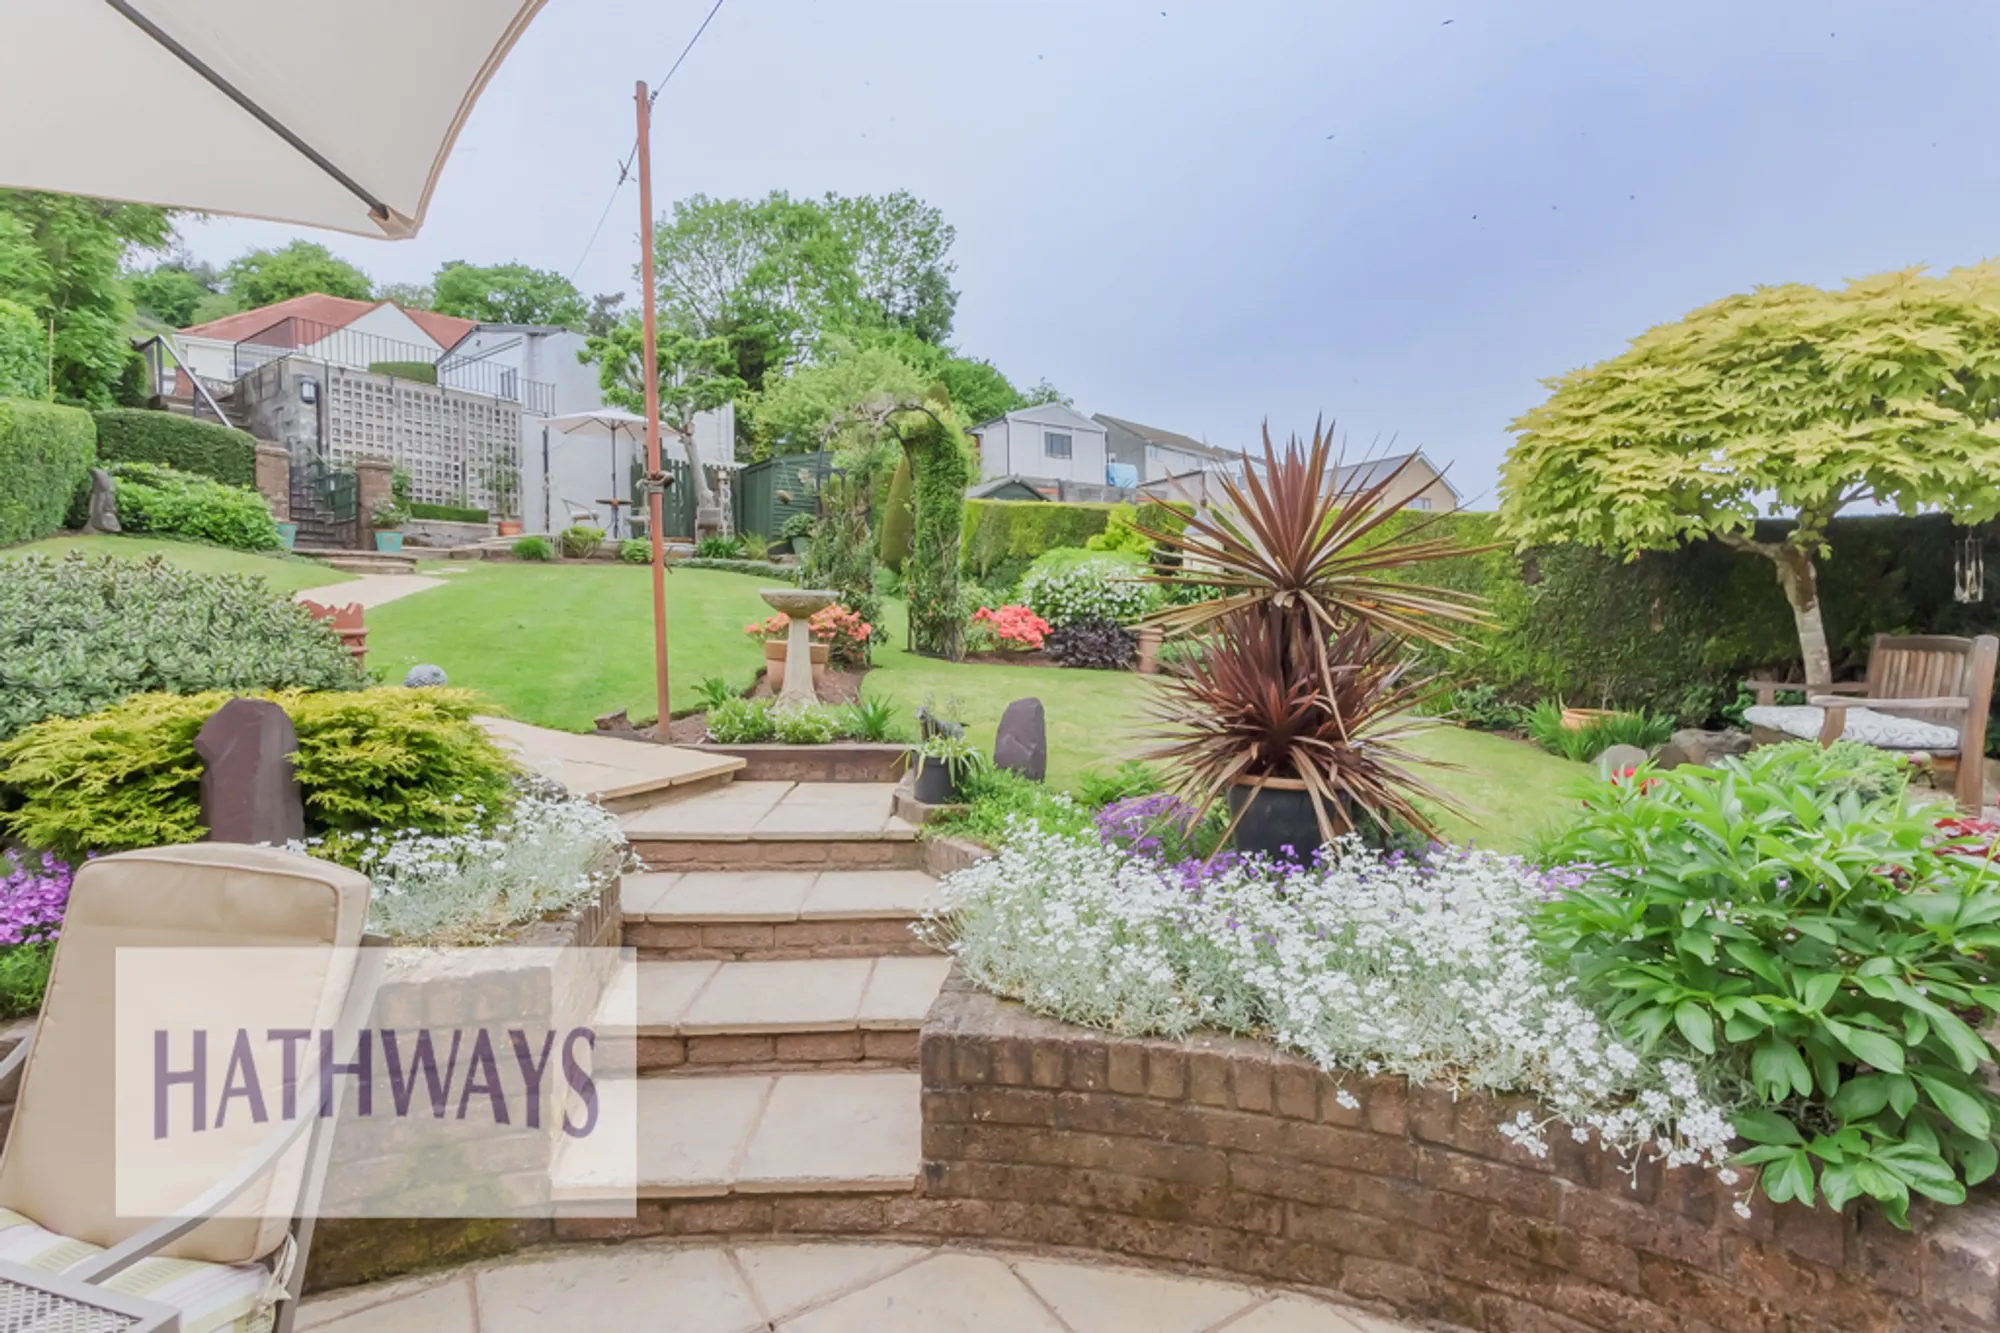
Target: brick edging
[[1230, 1155]]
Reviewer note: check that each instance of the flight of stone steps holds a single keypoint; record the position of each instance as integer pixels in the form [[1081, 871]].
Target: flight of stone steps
[[776, 999]]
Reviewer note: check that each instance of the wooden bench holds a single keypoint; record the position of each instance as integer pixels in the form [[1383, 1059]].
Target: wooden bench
[[1927, 693]]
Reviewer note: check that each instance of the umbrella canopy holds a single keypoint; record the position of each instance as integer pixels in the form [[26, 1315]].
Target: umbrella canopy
[[326, 113], [604, 421]]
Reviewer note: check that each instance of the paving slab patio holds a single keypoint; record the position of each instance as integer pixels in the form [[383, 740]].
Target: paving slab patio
[[817, 1287], [788, 811], [604, 768]]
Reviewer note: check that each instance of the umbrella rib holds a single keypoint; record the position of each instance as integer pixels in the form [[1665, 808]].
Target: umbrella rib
[[376, 208]]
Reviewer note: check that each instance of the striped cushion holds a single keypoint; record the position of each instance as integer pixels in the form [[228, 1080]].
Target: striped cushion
[[211, 1297], [1880, 730]]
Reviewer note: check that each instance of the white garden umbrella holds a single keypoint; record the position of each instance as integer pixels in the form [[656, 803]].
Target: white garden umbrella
[[325, 113], [606, 423]]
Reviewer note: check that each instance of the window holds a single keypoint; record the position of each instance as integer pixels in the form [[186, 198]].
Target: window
[[1421, 502], [1054, 445], [1152, 451]]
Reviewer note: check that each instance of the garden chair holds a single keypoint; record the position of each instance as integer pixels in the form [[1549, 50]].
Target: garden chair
[[1927, 694], [57, 1187]]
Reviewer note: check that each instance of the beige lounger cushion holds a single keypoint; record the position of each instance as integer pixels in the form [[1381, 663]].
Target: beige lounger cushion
[[58, 1165], [211, 1298]]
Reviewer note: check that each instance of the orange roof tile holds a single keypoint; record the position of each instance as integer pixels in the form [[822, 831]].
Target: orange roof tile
[[335, 312]]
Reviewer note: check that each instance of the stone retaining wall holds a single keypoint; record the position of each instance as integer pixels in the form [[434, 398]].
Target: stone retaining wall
[[1228, 1155], [839, 761]]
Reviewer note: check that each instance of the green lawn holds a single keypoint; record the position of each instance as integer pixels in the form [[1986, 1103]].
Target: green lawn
[[286, 573], [560, 645]]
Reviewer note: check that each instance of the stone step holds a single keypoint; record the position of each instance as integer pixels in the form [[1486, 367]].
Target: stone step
[[776, 826], [771, 915], [698, 1017], [785, 1133], [359, 562]]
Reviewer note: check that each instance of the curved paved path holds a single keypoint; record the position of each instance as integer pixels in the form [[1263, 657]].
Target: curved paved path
[[368, 589], [805, 1287]]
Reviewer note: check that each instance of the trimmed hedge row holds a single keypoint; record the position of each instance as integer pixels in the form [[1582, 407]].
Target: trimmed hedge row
[[45, 455], [138, 435], [447, 513], [761, 569], [1674, 631], [1004, 536], [24, 353], [421, 371]]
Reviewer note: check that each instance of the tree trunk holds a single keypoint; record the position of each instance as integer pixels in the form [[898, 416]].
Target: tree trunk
[[1801, 583]]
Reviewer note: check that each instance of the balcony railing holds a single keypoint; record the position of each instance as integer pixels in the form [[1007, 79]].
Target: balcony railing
[[358, 350]]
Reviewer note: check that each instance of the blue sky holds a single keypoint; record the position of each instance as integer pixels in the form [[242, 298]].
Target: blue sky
[[1401, 214]]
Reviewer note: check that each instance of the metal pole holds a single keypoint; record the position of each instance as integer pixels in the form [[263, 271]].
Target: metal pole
[[649, 372]]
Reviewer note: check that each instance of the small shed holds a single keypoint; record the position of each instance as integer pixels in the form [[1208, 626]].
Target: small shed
[[1003, 488]]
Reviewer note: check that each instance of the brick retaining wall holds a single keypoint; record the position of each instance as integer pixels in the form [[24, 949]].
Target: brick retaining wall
[[1228, 1155]]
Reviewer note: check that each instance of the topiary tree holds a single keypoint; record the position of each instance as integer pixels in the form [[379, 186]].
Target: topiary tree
[[897, 520], [1789, 402], [940, 469]]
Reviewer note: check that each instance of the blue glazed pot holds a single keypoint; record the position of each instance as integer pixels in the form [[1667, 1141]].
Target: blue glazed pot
[[390, 543], [288, 535]]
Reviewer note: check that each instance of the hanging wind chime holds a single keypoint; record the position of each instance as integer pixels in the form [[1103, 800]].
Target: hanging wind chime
[[1968, 568]]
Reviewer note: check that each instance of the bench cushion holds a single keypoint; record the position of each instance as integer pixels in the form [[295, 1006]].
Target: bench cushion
[[1865, 725], [211, 1297]]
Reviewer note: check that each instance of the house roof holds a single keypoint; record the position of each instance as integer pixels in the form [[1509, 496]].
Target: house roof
[[1003, 488], [1047, 414], [336, 312], [1374, 471], [1168, 439]]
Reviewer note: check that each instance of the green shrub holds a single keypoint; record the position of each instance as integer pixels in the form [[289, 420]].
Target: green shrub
[[1131, 778], [77, 635], [999, 532], [423, 372], [1582, 744], [136, 435], [1099, 589], [45, 455], [714, 691], [447, 513], [1483, 708], [719, 548], [24, 975], [740, 722], [635, 551], [378, 758], [24, 353], [776, 573], [1789, 920], [533, 547], [1119, 535], [170, 503], [806, 725], [582, 541], [994, 796], [898, 521], [872, 718]]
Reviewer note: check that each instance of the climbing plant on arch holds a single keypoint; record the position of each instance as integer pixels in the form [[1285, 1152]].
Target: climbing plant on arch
[[940, 469]]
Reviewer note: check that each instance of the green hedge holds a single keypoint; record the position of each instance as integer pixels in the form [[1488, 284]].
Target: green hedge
[[24, 353], [422, 371], [1674, 631], [761, 569], [136, 435], [45, 455], [171, 503], [1002, 537], [447, 513]]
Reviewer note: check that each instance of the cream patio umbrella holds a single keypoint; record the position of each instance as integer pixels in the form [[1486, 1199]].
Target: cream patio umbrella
[[324, 113], [606, 423]]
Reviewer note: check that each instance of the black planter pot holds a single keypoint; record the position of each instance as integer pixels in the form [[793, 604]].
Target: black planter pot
[[934, 785], [1275, 816]]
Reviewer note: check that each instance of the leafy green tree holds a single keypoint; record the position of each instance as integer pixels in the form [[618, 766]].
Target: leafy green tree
[[508, 294], [61, 257], [263, 277], [604, 313], [901, 248], [174, 289], [800, 413], [695, 375], [1791, 402], [409, 295]]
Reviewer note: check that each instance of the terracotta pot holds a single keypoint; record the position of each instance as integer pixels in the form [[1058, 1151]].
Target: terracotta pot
[[1149, 650], [510, 527], [1576, 719], [774, 663]]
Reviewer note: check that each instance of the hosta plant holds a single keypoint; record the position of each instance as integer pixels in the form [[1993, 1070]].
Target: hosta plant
[[1788, 914]]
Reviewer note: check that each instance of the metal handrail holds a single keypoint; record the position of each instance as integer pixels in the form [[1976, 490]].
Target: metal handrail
[[160, 342]]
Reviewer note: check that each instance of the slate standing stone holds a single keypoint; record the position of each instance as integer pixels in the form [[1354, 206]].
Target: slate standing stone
[[1021, 743], [249, 792], [1617, 758], [102, 515]]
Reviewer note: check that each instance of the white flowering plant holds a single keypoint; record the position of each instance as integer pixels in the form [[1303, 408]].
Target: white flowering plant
[[1090, 590], [546, 854], [1791, 919], [1427, 967]]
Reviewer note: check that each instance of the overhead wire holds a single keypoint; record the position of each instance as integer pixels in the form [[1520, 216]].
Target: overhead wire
[[625, 167]]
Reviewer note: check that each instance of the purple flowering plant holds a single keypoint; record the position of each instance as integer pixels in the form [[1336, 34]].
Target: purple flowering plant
[[33, 895]]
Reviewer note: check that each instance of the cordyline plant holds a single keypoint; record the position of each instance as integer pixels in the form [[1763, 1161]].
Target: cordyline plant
[[1300, 675], [1253, 704]]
